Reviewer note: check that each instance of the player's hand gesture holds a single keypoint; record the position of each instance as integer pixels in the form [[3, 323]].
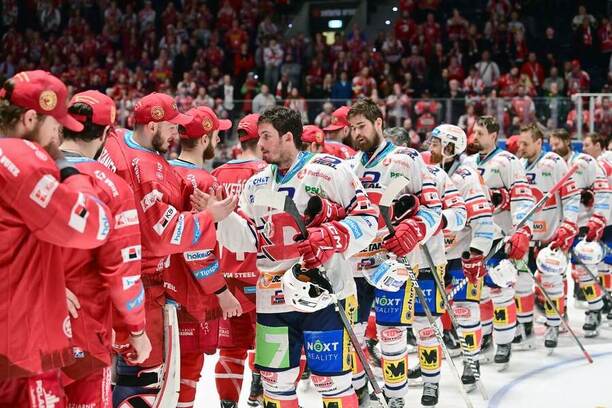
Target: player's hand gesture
[[73, 304], [230, 306], [141, 348], [218, 207]]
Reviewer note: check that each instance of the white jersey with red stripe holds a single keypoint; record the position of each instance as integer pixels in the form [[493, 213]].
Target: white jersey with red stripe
[[376, 172], [479, 230], [591, 176], [542, 174], [605, 161], [503, 170]]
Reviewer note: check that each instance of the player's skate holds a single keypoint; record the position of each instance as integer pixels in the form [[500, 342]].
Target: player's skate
[[524, 339], [415, 379], [592, 323], [486, 349], [468, 378], [430, 395], [551, 338], [580, 301], [502, 356], [256, 393], [392, 402], [229, 404], [451, 340]]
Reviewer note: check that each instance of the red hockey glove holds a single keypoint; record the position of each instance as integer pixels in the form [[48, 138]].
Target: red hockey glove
[[518, 244], [500, 198], [408, 234], [403, 207], [322, 243], [320, 210], [565, 236], [595, 226], [473, 266]]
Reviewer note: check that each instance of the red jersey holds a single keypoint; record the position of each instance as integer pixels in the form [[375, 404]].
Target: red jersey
[[179, 283], [162, 200], [37, 214], [240, 269], [340, 150], [109, 273]]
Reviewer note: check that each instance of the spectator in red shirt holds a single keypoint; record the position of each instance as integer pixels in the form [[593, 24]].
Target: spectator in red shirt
[[243, 62], [455, 70], [416, 63], [235, 37], [405, 28], [473, 84], [577, 80], [225, 16], [523, 106], [363, 84], [456, 26], [431, 29], [534, 70]]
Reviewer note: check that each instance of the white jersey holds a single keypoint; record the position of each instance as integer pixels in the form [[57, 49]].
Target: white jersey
[[376, 173], [503, 170], [591, 176], [271, 233], [605, 161], [479, 229], [542, 174]]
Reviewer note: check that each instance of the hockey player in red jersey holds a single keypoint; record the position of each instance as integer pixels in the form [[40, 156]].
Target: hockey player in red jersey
[[108, 275], [338, 135], [237, 335], [314, 140], [44, 205], [167, 227], [199, 310]]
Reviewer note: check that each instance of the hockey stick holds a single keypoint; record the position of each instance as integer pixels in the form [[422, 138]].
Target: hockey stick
[[605, 292], [557, 312], [386, 201], [171, 382], [281, 201], [451, 313]]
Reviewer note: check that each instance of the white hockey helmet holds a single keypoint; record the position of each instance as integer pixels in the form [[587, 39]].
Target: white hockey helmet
[[306, 289], [389, 276], [551, 261], [451, 135], [589, 253], [503, 274]]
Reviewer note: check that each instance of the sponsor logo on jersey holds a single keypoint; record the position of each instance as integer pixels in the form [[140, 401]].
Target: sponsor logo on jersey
[[8, 164], [314, 190], [107, 161], [391, 335], [233, 188], [395, 371], [206, 271], [136, 168], [370, 180], [43, 190], [107, 182], [353, 226], [150, 199], [136, 302], [177, 235], [131, 253], [78, 352], [430, 357], [129, 281], [329, 161], [427, 333], [312, 173], [278, 298], [79, 215], [324, 350], [462, 312], [193, 256], [126, 218], [197, 231], [163, 222], [104, 224], [260, 181]]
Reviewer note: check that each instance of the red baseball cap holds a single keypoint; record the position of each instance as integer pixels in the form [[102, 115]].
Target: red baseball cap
[[203, 121], [158, 107], [339, 119], [102, 106], [312, 133], [249, 125], [42, 92], [512, 144]]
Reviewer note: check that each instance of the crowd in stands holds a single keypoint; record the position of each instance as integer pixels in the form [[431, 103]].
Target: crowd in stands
[[234, 56]]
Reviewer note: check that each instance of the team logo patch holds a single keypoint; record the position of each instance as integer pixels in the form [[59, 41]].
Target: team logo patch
[[157, 112], [131, 253], [427, 333], [391, 335], [430, 357], [47, 100], [395, 371], [207, 124], [126, 218], [43, 191]]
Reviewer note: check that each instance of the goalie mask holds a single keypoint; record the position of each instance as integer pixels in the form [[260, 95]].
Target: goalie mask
[[551, 261], [589, 253], [307, 290], [450, 135], [503, 274]]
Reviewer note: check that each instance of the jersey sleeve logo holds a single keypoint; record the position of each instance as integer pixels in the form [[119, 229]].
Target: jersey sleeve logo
[[44, 189]]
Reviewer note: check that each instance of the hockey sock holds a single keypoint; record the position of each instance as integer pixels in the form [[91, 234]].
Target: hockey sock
[[229, 373], [370, 332], [336, 391], [93, 390], [524, 297], [394, 350], [429, 349], [468, 318], [279, 388], [359, 376], [486, 316], [592, 292], [191, 367], [504, 320]]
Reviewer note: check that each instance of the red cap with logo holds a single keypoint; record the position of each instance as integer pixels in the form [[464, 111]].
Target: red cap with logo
[[158, 107], [42, 92], [312, 133], [339, 119], [203, 121], [512, 144], [103, 107], [249, 125]]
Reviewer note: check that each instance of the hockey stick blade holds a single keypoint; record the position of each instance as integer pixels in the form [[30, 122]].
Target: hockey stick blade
[[281, 201]]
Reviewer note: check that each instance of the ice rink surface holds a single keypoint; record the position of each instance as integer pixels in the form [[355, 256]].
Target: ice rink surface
[[533, 379]]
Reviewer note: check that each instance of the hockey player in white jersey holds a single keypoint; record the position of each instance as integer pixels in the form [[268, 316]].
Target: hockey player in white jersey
[[595, 198], [594, 144], [377, 163], [554, 225], [281, 330], [467, 246], [511, 198]]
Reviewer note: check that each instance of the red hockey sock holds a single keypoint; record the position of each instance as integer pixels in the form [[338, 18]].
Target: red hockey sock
[[446, 322], [191, 367], [251, 358], [229, 373], [370, 332]]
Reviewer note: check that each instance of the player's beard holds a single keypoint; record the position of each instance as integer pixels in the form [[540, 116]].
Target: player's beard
[[209, 152], [158, 142], [435, 158], [34, 136], [562, 151], [368, 145]]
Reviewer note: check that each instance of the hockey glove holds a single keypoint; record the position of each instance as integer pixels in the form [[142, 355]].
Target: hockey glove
[[500, 198], [473, 266], [322, 243], [518, 244], [408, 234], [564, 236], [320, 210], [595, 226], [404, 206]]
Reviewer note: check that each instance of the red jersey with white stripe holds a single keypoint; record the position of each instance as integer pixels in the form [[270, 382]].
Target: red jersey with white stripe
[[340, 150], [239, 269]]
